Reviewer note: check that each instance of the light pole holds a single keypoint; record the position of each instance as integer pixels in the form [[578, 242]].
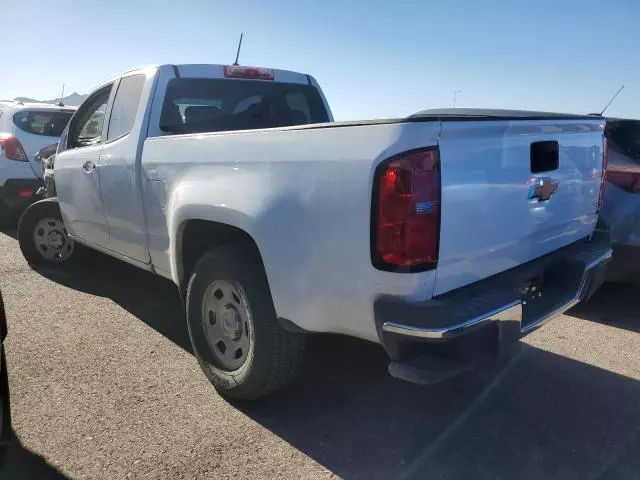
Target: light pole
[[455, 97]]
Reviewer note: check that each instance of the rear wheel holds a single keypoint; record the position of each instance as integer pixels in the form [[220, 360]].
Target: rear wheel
[[43, 237], [234, 331]]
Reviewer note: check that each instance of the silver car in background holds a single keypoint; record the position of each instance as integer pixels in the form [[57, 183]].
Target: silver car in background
[[621, 210]]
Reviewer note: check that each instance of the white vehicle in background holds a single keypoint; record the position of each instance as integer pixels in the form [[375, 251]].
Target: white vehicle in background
[[25, 128]]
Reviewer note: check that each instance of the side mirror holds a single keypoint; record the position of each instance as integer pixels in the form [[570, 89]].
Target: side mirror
[[46, 152]]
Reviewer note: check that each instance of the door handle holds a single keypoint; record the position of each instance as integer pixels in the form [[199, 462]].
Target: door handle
[[88, 166]]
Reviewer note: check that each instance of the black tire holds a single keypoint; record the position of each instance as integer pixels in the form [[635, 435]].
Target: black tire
[[47, 208], [275, 355]]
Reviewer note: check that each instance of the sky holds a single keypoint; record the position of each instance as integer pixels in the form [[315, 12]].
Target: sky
[[373, 59]]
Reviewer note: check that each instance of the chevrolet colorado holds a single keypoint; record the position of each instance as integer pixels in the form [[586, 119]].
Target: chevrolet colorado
[[443, 236]]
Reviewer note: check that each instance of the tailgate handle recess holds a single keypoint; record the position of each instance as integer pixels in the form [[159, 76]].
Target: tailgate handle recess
[[544, 156]]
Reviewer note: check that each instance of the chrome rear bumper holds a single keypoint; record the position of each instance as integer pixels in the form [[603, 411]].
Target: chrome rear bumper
[[496, 311], [511, 312]]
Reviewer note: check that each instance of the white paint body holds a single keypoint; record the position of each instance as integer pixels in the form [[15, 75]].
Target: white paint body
[[304, 195]]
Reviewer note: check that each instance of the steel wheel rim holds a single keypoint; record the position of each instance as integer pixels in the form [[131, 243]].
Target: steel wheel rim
[[227, 325], [52, 241]]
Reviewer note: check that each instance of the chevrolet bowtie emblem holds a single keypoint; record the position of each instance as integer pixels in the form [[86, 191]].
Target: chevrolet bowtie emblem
[[542, 188]]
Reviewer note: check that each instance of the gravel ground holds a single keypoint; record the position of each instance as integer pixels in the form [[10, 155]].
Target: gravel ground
[[104, 385]]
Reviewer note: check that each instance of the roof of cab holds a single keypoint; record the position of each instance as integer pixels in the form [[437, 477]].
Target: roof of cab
[[216, 69], [288, 76]]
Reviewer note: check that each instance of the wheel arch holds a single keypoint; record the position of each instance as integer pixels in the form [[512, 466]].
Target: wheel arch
[[195, 236], [196, 222]]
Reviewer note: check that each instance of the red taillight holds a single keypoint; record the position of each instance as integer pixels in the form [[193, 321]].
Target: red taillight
[[605, 162], [626, 180], [406, 211], [253, 73], [12, 148]]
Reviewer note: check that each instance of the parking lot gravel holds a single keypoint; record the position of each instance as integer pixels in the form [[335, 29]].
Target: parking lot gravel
[[104, 385]]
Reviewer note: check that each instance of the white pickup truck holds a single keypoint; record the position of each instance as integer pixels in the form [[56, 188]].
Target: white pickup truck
[[443, 236]]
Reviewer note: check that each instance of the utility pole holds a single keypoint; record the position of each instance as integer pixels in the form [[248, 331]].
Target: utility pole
[[455, 97]]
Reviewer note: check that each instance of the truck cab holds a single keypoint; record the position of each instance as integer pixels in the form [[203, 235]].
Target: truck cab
[[96, 159]]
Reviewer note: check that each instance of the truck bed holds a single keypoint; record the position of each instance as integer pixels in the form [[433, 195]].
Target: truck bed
[[309, 188]]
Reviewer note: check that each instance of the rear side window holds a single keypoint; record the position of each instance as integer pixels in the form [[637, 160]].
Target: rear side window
[[39, 122], [125, 106], [197, 105], [624, 136]]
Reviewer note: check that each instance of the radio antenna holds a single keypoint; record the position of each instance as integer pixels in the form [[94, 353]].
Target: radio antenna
[[238, 52], [612, 99], [60, 104]]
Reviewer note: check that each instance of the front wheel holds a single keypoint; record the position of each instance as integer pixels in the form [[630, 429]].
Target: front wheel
[[233, 327], [42, 235]]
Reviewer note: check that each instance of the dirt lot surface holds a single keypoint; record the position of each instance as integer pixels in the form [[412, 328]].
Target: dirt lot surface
[[104, 385]]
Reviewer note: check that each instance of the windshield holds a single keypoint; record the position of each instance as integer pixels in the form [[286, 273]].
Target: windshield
[[195, 105], [42, 122]]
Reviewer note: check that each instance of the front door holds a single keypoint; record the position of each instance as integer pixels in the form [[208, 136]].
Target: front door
[[77, 175]]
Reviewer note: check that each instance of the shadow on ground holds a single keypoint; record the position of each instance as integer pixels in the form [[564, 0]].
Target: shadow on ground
[[532, 414], [615, 304], [150, 298], [21, 462]]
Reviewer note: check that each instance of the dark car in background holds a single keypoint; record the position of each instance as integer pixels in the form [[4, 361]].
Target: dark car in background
[[621, 210], [5, 414]]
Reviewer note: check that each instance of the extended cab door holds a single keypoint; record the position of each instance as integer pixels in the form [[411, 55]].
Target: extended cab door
[[120, 169], [77, 176]]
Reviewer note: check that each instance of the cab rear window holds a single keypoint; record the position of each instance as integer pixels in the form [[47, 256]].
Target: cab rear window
[[197, 105], [42, 122]]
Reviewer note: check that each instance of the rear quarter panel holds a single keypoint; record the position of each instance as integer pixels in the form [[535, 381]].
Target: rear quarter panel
[[304, 195]]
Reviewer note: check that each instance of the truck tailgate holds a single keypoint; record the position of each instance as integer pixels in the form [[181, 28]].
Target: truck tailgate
[[506, 202]]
